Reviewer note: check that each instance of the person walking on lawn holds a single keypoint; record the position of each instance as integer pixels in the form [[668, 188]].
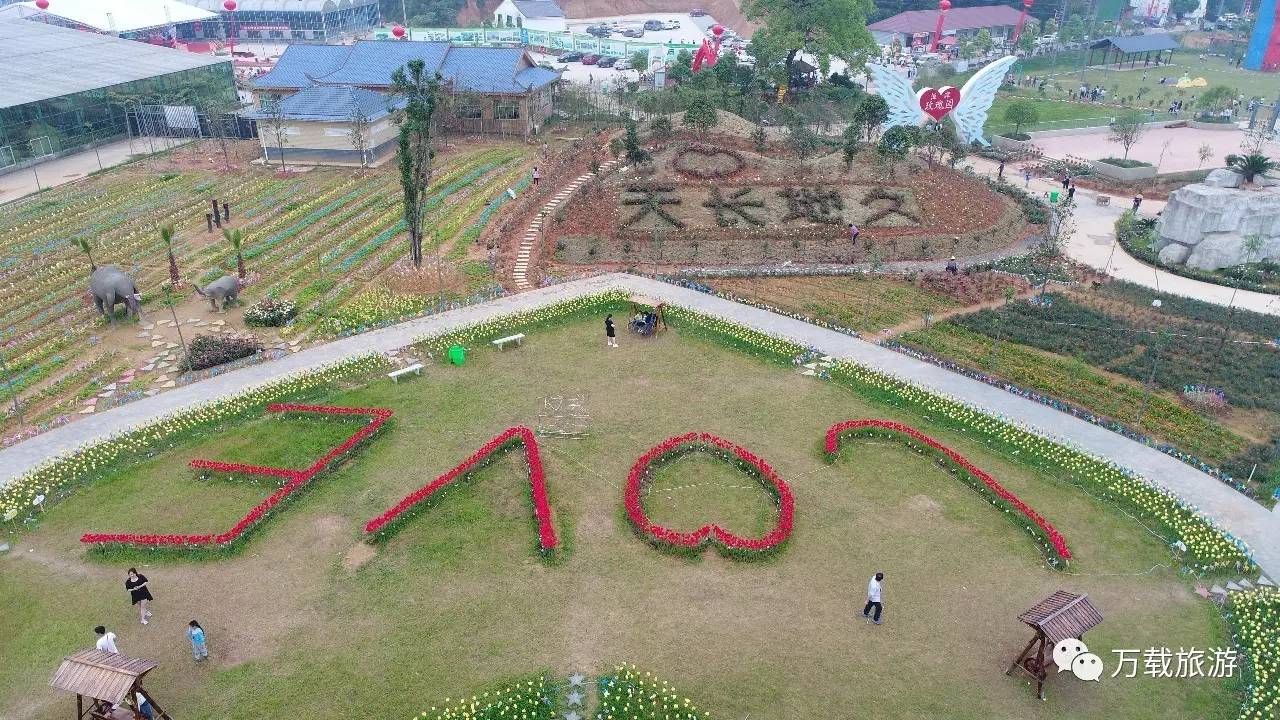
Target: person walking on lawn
[[139, 594], [873, 598], [106, 640], [609, 334]]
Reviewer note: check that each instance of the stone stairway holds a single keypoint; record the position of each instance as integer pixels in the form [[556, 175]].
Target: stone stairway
[[520, 274]]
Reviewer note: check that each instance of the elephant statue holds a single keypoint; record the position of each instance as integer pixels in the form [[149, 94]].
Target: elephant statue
[[109, 286], [225, 288]]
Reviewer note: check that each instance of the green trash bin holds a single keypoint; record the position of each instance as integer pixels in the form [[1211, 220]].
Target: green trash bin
[[457, 354], [1053, 196]]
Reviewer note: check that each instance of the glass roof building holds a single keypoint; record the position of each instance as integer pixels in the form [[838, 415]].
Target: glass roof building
[[63, 89], [288, 20]]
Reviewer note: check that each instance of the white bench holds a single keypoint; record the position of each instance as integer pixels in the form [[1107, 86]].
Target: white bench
[[415, 368], [501, 343]]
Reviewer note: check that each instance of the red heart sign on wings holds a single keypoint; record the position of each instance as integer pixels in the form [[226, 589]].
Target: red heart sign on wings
[[937, 103]]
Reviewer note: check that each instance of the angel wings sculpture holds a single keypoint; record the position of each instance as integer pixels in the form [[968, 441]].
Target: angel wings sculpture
[[969, 114]]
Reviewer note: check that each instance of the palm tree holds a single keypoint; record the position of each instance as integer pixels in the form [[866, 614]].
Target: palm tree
[[236, 237], [85, 248], [1251, 165], [166, 236]]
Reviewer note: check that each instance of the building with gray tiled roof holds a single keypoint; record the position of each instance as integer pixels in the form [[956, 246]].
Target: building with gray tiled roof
[[495, 90]]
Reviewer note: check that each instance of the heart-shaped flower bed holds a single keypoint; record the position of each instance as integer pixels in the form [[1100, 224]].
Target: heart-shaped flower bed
[[708, 162], [725, 541], [1046, 535]]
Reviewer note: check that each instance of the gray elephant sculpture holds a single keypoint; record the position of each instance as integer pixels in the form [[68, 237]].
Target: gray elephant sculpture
[[110, 286], [225, 288]]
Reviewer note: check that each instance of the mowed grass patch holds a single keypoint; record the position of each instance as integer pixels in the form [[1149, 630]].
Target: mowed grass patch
[[459, 597], [866, 304]]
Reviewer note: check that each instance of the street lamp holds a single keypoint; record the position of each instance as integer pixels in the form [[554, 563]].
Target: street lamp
[[1162, 335]]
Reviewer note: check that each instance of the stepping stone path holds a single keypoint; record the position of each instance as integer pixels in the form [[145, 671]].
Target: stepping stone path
[[817, 367], [520, 273]]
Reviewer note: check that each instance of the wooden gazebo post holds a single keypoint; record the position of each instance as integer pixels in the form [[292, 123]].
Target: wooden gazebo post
[[107, 679], [1060, 616]]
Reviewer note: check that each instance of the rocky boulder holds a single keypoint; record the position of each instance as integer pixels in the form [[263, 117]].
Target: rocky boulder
[[1208, 226], [1224, 178]]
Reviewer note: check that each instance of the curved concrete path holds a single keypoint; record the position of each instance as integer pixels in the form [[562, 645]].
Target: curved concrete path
[[1245, 518], [1094, 244]]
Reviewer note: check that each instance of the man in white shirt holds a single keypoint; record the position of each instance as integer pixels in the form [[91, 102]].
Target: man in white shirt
[[873, 598], [106, 640]]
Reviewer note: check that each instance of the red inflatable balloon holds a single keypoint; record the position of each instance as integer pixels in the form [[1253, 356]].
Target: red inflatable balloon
[[397, 31], [717, 30], [42, 4], [229, 5], [944, 5]]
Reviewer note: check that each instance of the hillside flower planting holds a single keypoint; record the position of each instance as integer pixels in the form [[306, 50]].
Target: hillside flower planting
[[294, 480], [728, 543], [1045, 534]]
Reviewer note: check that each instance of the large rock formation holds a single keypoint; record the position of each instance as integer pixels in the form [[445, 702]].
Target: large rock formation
[[1206, 225]]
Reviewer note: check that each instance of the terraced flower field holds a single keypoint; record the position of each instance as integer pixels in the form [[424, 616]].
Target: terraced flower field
[[322, 238]]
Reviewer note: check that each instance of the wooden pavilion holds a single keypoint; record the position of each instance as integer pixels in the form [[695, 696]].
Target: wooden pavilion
[[1060, 616], [1134, 49], [111, 682]]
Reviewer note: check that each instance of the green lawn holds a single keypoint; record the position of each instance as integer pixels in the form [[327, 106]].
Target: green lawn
[[308, 622], [1123, 85], [1054, 114]]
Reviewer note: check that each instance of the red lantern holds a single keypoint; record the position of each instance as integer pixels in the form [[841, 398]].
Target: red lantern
[[944, 5], [397, 31], [1026, 4], [42, 4], [229, 5], [717, 30]]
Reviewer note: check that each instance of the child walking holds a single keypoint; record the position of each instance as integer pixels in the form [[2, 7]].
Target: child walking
[[196, 634]]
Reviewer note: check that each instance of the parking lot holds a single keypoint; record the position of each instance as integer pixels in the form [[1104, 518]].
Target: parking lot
[[691, 30]]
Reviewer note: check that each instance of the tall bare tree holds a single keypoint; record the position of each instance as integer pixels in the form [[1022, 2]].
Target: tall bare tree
[[358, 119], [277, 129], [421, 93]]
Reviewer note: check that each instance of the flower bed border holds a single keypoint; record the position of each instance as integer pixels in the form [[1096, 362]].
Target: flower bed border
[[1045, 534], [295, 481], [693, 542], [390, 522]]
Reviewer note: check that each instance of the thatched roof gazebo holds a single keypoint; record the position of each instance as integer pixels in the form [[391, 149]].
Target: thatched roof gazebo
[[1060, 616], [108, 680]]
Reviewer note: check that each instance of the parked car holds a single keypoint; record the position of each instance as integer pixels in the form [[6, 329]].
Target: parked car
[[599, 31], [590, 59], [622, 64], [673, 25], [546, 65], [654, 25], [697, 12], [633, 33], [572, 57], [607, 62]]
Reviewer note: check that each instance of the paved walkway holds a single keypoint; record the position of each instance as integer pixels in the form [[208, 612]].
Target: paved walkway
[[1248, 520], [70, 168], [1094, 244]]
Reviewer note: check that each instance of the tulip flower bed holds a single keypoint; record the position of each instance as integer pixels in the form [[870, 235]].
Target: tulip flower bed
[[693, 542], [326, 224], [1255, 616], [386, 524], [1046, 536], [1208, 547], [293, 482], [630, 694], [530, 698], [59, 476]]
